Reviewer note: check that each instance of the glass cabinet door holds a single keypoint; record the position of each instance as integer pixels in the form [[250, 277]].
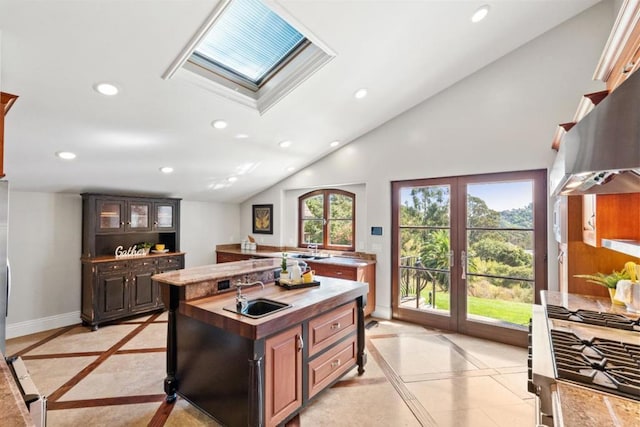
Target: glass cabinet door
[[110, 216], [139, 216], [165, 214]]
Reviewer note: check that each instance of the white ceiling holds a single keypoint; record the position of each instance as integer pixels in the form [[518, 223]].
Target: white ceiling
[[54, 51]]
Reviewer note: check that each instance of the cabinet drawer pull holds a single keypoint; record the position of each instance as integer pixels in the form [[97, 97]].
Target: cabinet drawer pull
[[339, 273], [300, 342], [335, 325], [335, 363]]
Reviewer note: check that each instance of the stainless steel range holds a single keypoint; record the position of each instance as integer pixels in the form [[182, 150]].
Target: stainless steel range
[[593, 351]]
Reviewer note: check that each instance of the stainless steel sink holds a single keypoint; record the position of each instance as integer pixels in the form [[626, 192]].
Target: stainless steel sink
[[259, 307]]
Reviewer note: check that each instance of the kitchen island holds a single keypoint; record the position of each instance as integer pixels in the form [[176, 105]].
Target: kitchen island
[[258, 371]]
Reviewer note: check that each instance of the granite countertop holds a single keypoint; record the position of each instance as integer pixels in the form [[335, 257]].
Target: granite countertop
[[305, 303], [13, 411], [207, 273], [332, 260], [575, 302], [111, 258], [583, 407]]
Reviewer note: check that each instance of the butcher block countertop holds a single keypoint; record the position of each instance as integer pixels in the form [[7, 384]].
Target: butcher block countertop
[[13, 411], [305, 303]]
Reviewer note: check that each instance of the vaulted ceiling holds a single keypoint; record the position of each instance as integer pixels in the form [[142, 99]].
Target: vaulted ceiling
[[55, 51]]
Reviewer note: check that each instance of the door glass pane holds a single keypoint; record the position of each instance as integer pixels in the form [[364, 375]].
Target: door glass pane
[[425, 249], [313, 219], [110, 215], [139, 215], [500, 249], [165, 216]]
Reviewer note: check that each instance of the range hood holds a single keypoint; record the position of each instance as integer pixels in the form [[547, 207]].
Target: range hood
[[601, 153]]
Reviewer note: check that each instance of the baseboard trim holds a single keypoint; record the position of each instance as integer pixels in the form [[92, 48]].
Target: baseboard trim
[[28, 327]]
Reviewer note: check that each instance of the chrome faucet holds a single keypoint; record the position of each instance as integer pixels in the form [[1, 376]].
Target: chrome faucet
[[313, 247], [241, 300]]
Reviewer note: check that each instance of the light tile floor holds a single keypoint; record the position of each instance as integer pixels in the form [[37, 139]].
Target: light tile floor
[[414, 377]]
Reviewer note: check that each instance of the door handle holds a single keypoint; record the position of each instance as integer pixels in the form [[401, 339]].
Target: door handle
[[463, 264], [452, 259], [300, 342]]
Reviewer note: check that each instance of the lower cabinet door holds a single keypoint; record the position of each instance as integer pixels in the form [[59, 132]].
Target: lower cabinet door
[[144, 292], [283, 375], [113, 299]]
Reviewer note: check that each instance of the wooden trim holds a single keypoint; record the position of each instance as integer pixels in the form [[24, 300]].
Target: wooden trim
[[457, 320], [623, 31], [326, 193], [44, 341], [105, 401]]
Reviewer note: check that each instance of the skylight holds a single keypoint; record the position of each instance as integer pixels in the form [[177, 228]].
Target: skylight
[[248, 53], [249, 40]]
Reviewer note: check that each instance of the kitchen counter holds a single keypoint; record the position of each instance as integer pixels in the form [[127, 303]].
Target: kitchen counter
[[585, 302], [13, 411], [111, 258]]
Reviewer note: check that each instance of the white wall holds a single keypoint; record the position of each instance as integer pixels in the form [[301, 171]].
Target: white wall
[[44, 251], [205, 225], [501, 118], [45, 244]]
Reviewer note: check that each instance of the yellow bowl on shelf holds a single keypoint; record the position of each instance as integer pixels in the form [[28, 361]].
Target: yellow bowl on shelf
[[159, 247]]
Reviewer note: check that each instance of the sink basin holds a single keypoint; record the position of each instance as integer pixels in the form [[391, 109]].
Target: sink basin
[[308, 256], [259, 307]]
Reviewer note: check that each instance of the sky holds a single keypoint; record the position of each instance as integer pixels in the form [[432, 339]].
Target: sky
[[503, 195]]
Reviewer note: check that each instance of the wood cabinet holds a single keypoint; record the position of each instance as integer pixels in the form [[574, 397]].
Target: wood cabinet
[[360, 273], [577, 257], [283, 375], [230, 257], [610, 216], [116, 289], [112, 287]]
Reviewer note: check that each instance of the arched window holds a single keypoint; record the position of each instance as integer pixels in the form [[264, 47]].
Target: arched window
[[327, 219]]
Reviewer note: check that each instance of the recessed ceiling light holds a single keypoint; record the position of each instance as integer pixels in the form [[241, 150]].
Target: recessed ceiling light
[[232, 179], [334, 143], [242, 136], [219, 124], [291, 168], [166, 169], [360, 93], [66, 155], [481, 13], [107, 89], [285, 144]]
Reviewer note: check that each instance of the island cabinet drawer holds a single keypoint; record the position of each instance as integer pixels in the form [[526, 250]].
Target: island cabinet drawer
[[331, 327], [143, 263], [106, 267], [331, 365]]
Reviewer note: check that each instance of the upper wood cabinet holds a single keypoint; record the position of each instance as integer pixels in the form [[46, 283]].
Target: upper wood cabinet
[[610, 216], [6, 102]]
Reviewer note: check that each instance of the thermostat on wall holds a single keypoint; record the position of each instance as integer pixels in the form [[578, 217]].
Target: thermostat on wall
[[376, 231]]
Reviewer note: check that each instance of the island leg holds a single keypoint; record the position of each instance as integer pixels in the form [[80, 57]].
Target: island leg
[[256, 395], [170, 383], [362, 356]]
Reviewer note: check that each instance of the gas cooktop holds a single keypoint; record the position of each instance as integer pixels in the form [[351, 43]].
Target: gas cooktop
[[599, 363], [610, 320]]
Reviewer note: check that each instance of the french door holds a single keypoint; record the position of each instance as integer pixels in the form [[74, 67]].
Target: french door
[[469, 252]]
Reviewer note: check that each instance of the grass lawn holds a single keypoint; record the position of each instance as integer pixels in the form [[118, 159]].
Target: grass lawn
[[518, 313]]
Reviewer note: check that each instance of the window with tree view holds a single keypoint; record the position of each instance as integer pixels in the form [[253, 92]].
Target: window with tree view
[[327, 219]]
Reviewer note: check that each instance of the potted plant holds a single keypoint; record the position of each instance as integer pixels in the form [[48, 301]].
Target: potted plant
[[283, 265], [609, 281]]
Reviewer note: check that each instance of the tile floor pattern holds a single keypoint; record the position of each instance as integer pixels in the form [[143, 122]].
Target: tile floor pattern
[[414, 377]]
